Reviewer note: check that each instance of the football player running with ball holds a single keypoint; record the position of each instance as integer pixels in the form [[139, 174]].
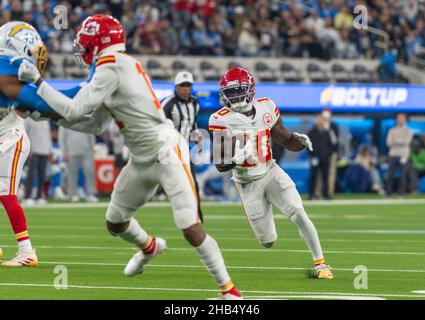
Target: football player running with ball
[[242, 131], [119, 88]]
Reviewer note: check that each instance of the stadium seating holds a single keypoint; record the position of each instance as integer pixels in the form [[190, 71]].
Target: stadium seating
[[289, 73], [317, 74], [208, 71], [265, 73], [156, 71], [341, 75]]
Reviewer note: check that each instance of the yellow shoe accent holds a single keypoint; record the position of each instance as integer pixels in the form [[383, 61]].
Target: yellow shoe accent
[[1, 253], [22, 259], [323, 271]]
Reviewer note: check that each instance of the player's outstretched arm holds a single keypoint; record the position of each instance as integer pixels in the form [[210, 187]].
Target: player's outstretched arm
[[282, 136], [24, 94], [90, 97], [95, 123]]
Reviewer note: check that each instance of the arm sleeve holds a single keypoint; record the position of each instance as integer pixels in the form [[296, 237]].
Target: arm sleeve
[[29, 98], [90, 97], [93, 124]]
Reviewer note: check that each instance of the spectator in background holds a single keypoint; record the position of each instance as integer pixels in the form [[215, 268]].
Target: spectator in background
[[387, 69], [248, 41], [41, 148], [169, 38], [78, 153], [320, 157], [333, 130], [417, 162], [334, 135], [344, 48], [398, 142], [366, 160], [344, 19], [56, 168]]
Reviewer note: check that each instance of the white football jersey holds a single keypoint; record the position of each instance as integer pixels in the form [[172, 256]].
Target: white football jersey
[[256, 128], [120, 87], [9, 119]]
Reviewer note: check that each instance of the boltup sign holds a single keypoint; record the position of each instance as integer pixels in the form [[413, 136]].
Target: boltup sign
[[354, 98], [337, 96]]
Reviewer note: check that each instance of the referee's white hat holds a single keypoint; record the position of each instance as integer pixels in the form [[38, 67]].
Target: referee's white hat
[[183, 77]]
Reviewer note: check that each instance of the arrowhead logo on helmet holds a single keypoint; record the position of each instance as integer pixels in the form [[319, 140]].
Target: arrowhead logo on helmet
[[95, 34], [237, 90]]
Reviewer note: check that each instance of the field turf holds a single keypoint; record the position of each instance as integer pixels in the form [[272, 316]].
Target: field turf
[[387, 238]]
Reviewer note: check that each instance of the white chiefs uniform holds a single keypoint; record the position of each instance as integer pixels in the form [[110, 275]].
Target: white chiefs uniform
[[14, 151], [119, 88], [260, 182]]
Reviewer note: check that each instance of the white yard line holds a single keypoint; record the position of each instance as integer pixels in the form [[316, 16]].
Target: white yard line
[[186, 266], [351, 202], [268, 293], [237, 250], [251, 238]]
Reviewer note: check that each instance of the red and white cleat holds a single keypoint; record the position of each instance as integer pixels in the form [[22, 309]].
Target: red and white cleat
[[138, 262], [232, 294], [22, 259]]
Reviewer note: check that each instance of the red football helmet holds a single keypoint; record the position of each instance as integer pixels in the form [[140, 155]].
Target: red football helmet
[[237, 89], [95, 34]]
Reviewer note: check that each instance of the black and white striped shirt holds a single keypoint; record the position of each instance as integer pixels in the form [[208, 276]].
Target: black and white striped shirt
[[182, 113]]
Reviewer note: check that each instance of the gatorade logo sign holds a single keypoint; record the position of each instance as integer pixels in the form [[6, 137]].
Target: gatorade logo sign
[[337, 96], [105, 175]]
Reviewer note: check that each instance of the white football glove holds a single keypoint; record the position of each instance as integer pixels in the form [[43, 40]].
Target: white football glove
[[28, 72], [304, 139], [241, 154]]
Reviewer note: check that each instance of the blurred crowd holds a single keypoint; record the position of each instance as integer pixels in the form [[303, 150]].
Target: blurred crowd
[[295, 28]]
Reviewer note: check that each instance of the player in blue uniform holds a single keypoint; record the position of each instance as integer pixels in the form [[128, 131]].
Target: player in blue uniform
[[19, 41]]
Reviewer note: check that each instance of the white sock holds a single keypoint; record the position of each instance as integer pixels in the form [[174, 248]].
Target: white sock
[[308, 233], [24, 246], [211, 258], [134, 233]]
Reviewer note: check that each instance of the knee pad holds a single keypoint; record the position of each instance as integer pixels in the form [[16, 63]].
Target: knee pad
[[117, 214], [294, 211]]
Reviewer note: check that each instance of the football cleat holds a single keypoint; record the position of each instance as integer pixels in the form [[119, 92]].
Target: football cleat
[[1, 253], [232, 294], [323, 271], [138, 262], [22, 259]]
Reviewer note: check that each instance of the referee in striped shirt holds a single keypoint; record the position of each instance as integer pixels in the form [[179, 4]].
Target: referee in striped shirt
[[182, 108]]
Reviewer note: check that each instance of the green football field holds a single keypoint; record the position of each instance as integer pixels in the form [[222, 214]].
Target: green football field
[[386, 238]]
